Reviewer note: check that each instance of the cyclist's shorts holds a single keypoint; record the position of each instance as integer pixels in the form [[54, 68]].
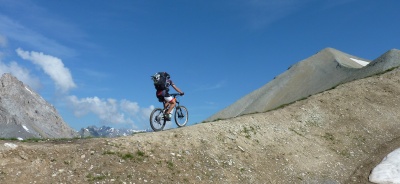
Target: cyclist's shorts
[[163, 96]]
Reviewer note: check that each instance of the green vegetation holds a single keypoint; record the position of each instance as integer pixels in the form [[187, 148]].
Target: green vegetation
[[248, 131], [170, 165], [108, 153], [9, 139], [139, 156], [329, 137], [90, 177], [127, 156]]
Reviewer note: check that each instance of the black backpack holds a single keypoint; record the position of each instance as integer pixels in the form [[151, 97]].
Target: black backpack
[[160, 80]]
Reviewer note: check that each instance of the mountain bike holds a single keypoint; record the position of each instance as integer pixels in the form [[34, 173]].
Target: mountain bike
[[158, 115]]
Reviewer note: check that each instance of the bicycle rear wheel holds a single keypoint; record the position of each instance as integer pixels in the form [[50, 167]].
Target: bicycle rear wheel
[[157, 121], [181, 116]]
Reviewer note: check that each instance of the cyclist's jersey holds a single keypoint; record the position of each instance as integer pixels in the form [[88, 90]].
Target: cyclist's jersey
[[164, 92]]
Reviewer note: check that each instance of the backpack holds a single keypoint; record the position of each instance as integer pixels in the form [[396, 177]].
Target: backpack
[[160, 80]]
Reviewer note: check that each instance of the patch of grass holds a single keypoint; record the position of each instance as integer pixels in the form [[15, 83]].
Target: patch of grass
[[90, 177], [329, 137], [170, 165], [9, 139], [140, 153], [127, 156], [139, 156], [248, 131], [281, 106], [108, 152], [32, 140]]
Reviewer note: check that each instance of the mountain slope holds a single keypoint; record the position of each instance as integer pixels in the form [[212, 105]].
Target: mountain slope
[[320, 72], [336, 136], [25, 114]]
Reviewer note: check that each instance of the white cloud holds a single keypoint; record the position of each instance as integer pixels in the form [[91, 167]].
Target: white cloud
[[110, 110], [130, 107], [107, 110], [52, 66]]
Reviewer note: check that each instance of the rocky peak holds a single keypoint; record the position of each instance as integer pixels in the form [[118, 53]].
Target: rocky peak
[[25, 114]]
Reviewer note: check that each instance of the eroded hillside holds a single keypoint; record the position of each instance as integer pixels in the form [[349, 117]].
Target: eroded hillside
[[336, 136]]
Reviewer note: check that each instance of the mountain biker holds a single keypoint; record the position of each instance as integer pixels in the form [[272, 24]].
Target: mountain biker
[[163, 95]]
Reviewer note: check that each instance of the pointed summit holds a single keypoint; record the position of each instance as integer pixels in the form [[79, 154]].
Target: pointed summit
[[25, 114], [322, 71]]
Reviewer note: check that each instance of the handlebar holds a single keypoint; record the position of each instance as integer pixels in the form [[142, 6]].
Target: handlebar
[[175, 94]]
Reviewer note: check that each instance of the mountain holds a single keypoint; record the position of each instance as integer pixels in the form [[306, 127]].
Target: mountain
[[105, 131], [322, 71], [336, 136], [25, 114]]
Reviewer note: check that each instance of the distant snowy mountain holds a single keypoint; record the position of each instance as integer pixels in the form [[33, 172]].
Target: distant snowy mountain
[[105, 131]]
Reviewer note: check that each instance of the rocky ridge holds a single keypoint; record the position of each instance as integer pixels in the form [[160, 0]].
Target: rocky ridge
[[322, 71], [25, 114]]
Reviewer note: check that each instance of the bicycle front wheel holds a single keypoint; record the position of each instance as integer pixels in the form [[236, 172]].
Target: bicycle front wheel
[[157, 120], [181, 116]]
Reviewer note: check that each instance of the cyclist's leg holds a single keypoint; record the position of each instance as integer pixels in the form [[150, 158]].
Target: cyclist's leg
[[169, 101]]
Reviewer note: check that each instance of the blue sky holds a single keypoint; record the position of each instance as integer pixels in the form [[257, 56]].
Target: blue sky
[[93, 59]]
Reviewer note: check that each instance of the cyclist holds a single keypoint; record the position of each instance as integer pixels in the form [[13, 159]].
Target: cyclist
[[162, 92]]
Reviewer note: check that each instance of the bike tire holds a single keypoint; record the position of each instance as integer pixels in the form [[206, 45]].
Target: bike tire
[[181, 116], [157, 120]]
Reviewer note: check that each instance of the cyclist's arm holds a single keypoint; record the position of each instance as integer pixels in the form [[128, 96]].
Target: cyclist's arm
[[177, 89]]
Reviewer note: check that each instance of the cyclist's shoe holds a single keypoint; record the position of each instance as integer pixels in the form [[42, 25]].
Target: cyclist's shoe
[[168, 117]]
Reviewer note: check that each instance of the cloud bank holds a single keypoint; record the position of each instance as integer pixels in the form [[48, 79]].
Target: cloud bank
[[53, 67], [108, 111]]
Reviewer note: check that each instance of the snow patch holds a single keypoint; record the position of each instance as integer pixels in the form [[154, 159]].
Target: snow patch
[[10, 145], [29, 90], [361, 62], [388, 171], [26, 128]]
